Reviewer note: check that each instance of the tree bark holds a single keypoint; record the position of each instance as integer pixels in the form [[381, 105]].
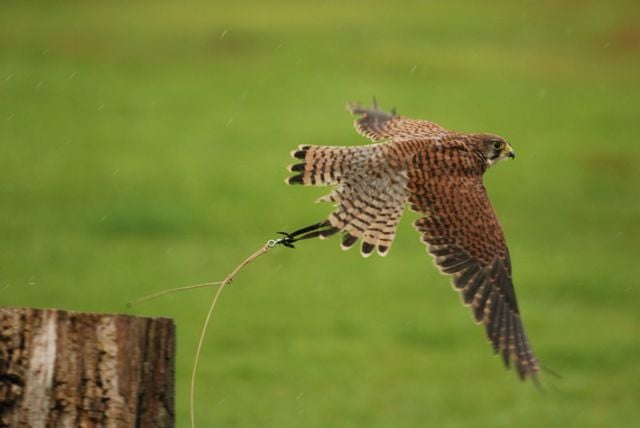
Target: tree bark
[[72, 369]]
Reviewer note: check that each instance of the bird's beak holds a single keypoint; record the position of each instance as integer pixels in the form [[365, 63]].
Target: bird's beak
[[508, 152]]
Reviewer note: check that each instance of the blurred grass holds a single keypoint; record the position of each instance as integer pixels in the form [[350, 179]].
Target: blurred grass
[[143, 146]]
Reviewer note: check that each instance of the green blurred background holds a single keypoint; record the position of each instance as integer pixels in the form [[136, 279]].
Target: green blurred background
[[143, 146]]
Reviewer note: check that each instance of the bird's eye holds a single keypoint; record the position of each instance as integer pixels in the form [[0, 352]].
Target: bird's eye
[[498, 145]]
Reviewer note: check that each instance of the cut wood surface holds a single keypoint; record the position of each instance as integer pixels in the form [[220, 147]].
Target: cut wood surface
[[73, 369]]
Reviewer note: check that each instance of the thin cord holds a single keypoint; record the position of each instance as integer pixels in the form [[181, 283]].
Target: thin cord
[[171, 290], [192, 387], [287, 241], [269, 245]]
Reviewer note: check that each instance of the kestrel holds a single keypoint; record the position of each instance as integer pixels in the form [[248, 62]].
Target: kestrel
[[439, 174]]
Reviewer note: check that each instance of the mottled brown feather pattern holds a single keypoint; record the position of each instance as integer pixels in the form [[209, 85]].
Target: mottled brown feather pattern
[[439, 174], [378, 125], [370, 195]]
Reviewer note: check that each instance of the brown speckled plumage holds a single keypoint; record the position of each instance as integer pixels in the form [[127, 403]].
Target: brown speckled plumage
[[439, 174]]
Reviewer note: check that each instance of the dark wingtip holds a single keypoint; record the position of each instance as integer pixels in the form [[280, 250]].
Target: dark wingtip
[[348, 240], [356, 108], [551, 372], [367, 248], [299, 154], [328, 232], [296, 179], [505, 358], [299, 167]]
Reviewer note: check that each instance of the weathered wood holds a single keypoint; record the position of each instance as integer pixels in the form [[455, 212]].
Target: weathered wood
[[71, 369]]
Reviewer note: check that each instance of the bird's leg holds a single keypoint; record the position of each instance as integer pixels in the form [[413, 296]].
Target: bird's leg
[[319, 229]]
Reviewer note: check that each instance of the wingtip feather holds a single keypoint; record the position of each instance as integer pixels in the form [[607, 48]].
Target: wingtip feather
[[296, 179]]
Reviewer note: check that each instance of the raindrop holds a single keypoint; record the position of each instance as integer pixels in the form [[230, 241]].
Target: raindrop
[[224, 33], [9, 77], [229, 122], [542, 93], [39, 85], [100, 107], [10, 116], [115, 172], [413, 68], [72, 75]]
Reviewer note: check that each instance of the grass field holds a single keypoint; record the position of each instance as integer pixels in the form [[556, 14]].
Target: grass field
[[143, 146]]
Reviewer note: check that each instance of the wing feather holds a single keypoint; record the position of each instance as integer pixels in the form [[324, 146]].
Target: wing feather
[[465, 238], [378, 125]]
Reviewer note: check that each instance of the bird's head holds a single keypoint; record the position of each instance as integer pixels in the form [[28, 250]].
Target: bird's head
[[495, 148]]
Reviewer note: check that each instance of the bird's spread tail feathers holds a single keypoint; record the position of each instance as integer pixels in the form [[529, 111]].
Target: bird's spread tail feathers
[[324, 165], [369, 196]]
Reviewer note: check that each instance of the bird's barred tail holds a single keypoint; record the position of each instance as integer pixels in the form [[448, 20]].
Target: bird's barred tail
[[369, 196], [324, 165]]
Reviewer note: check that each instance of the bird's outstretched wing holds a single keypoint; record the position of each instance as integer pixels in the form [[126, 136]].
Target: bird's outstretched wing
[[465, 238], [378, 125]]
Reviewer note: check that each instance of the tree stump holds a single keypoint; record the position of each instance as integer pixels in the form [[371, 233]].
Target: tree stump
[[72, 369]]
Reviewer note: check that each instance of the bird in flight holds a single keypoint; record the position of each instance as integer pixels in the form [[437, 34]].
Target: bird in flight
[[437, 172]]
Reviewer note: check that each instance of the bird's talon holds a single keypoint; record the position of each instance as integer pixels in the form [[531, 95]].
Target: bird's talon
[[287, 236]]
